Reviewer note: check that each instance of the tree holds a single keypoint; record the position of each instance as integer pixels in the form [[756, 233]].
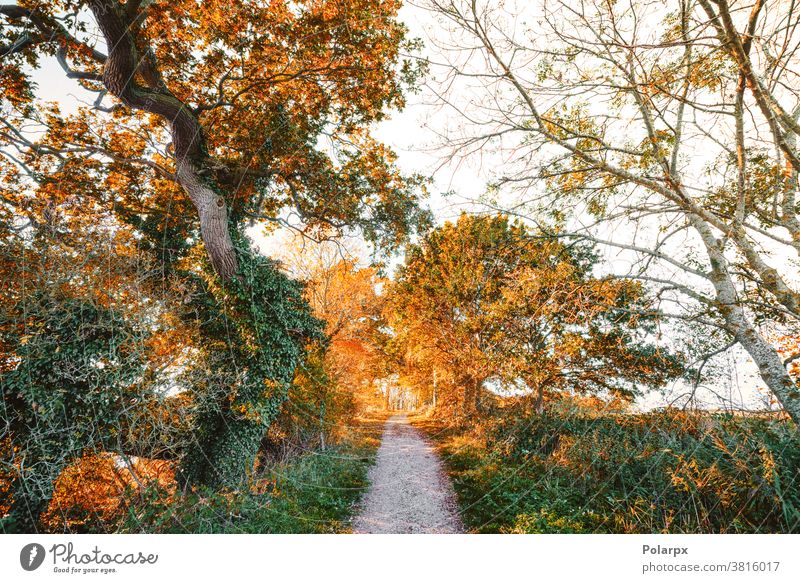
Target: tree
[[250, 343], [95, 342], [489, 302], [343, 292], [76, 378], [263, 106], [203, 116], [73, 360], [667, 133]]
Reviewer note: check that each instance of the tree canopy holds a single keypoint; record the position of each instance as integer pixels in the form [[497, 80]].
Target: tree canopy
[[200, 329], [127, 216], [485, 301], [668, 133], [253, 110]]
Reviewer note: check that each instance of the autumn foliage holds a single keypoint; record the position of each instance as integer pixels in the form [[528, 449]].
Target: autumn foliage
[[137, 318], [169, 364], [485, 303]]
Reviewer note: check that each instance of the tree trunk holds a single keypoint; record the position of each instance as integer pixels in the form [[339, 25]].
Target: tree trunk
[[762, 352], [479, 396], [223, 447], [123, 66], [472, 403], [322, 426], [769, 363], [434, 390], [213, 214], [538, 403], [468, 404]]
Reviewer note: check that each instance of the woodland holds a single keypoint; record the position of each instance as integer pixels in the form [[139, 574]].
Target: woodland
[[219, 280]]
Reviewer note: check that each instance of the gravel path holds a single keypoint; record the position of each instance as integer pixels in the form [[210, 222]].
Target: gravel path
[[409, 491]]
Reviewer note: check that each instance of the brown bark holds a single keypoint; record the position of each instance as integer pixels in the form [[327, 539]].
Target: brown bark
[[213, 220], [478, 396], [472, 403], [468, 402], [538, 403], [121, 67]]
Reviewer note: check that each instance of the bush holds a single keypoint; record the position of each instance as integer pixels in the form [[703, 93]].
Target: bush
[[664, 471], [313, 493]]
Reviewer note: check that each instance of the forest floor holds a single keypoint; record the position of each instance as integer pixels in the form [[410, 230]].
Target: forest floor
[[409, 491]]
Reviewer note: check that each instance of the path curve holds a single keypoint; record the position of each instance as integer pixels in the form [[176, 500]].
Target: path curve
[[409, 491]]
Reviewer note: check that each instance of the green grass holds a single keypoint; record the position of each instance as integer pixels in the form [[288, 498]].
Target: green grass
[[313, 493], [578, 472]]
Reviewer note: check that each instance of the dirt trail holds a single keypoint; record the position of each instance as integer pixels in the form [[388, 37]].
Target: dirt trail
[[409, 491]]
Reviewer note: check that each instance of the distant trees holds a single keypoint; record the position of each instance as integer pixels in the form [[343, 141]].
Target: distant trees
[[484, 302], [667, 132], [336, 380], [347, 297]]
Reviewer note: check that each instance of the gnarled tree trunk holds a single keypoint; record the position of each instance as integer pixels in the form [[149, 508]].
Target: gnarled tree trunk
[[123, 66]]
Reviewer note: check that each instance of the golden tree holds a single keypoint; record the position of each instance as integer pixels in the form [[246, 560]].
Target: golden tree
[[489, 304]]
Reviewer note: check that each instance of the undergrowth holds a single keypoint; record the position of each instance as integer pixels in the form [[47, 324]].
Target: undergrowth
[[313, 492], [579, 471]]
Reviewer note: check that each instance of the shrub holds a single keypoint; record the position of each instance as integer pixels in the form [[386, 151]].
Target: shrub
[[664, 471]]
